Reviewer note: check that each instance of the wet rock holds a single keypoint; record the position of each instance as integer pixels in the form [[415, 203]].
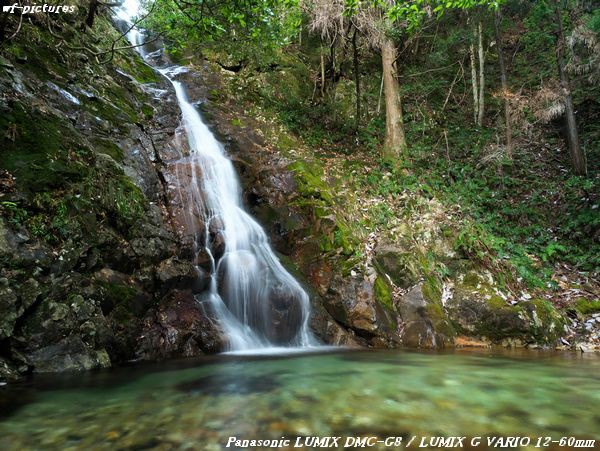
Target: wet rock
[[22, 251], [285, 314], [217, 245], [29, 292], [68, 354], [176, 274], [178, 327], [8, 372], [9, 310], [217, 237]]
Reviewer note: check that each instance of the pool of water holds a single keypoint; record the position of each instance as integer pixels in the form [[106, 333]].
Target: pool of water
[[200, 404]]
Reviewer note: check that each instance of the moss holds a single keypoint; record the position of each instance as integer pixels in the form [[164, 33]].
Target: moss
[[432, 289], [116, 106], [471, 279], [119, 300], [383, 294], [548, 324], [285, 143], [108, 147], [43, 58], [147, 111], [119, 198], [119, 292], [311, 180], [236, 122], [497, 302], [435, 310], [586, 306], [41, 150]]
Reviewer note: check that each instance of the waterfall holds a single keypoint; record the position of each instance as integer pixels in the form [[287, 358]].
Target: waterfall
[[257, 303]]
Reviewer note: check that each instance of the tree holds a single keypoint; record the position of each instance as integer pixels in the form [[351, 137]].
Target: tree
[[504, 83], [577, 156], [477, 74]]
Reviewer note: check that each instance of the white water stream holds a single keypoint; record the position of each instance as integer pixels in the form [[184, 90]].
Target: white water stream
[[257, 302]]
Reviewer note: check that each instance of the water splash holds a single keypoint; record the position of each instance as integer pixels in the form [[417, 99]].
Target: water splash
[[256, 301]]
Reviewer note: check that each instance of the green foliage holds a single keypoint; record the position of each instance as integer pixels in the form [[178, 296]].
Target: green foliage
[[594, 21], [244, 28], [413, 13]]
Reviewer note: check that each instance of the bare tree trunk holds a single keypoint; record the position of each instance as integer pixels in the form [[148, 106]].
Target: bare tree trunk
[[332, 89], [356, 79], [380, 94], [322, 74], [481, 75], [395, 141], [577, 156], [474, 83], [92, 9], [504, 82]]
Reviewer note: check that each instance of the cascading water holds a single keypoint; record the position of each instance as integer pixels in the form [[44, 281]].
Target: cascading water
[[256, 301]]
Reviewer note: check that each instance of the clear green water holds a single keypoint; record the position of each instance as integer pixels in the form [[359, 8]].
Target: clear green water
[[199, 404]]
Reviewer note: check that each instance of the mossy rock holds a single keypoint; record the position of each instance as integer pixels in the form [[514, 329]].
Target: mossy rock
[[477, 309], [402, 267]]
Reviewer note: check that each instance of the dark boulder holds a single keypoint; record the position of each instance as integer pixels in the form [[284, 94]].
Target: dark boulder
[[178, 327]]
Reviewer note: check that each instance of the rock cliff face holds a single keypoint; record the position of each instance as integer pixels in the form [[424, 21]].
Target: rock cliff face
[[86, 244], [94, 243]]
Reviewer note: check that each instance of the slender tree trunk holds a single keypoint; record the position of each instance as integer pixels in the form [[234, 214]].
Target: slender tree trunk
[[474, 83], [481, 75], [504, 82], [395, 141], [322, 74], [332, 89], [92, 9], [356, 78], [577, 156], [380, 94]]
